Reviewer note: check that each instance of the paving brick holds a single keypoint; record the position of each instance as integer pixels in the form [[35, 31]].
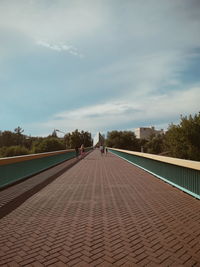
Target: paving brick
[[75, 256], [82, 263], [86, 259], [98, 250], [13, 264], [63, 258], [52, 256], [37, 264], [59, 264], [109, 259], [43, 253], [73, 262], [120, 262], [86, 253], [97, 262], [50, 262], [54, 250], [17, 258], [26, 262], [103, 264], [120, 256]]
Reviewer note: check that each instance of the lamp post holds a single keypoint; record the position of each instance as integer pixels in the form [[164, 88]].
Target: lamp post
[[60, 131]]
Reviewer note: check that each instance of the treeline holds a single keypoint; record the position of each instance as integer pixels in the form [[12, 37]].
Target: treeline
[[16, 143], [180, 141]]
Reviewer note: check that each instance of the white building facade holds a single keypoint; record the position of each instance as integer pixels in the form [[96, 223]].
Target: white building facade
[[147, 132]]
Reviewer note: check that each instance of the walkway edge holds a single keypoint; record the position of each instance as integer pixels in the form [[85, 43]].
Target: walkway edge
[[20, 199], [161, 178]]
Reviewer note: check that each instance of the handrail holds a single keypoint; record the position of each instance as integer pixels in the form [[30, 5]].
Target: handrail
[[175, 161], [15, 169], [10, 160], [183, 174]]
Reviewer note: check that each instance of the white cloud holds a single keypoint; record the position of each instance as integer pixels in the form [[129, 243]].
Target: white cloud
[[60, 47], [52, 20], [140, 75], [109, 116], [107, 109]]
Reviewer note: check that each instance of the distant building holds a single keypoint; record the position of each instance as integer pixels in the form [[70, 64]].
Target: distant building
[[98, 140], [147, 132]]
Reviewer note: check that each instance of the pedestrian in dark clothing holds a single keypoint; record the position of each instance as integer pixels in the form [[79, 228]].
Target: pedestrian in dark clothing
[[101, 149], [106, 150], [77, 151]]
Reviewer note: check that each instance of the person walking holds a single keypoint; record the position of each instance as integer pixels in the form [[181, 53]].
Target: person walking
[[77, 151], [82, 150], [106, 150], [101, 150]]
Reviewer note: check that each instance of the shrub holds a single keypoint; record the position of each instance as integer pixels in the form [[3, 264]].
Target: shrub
[[48, 145], [12, 151]]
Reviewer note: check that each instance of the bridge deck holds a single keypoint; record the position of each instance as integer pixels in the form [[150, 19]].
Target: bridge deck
[[102, 212]]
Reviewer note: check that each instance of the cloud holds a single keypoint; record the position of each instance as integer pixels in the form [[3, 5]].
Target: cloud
[[142, 74], [53, 20], [60, 47], [107, 109], [162, 109]]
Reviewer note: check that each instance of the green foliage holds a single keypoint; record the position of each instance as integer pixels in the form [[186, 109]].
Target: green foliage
[[123, 139], [183, 140], [8, 138], [12, 151], [155, 145], [48, 144], [77, 138], [16, 143], [143, 144], [180, 141]]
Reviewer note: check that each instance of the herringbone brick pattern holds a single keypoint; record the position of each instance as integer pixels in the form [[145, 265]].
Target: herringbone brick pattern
[[103, 212]]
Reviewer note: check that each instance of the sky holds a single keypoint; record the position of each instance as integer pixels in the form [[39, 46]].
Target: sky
[[98, 65]]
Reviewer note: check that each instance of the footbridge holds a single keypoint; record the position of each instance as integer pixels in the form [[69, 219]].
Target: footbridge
[[118, 209]]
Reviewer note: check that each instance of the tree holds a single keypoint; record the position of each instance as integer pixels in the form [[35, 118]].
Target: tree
[[86, 139], [183, 140], [19, 136], [8, 138], [77, 138], [122, 139], [48, 144], [12, 151], [143, 144], [156, 144], [18, 130]]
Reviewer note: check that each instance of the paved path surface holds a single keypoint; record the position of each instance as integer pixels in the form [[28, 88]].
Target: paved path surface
[[103, 212]]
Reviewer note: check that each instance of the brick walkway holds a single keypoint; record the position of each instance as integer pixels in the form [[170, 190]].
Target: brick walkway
[[103, 212]]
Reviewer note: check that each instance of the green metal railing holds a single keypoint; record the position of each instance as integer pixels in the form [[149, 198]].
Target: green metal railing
[[182, 174], [14, 169]]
